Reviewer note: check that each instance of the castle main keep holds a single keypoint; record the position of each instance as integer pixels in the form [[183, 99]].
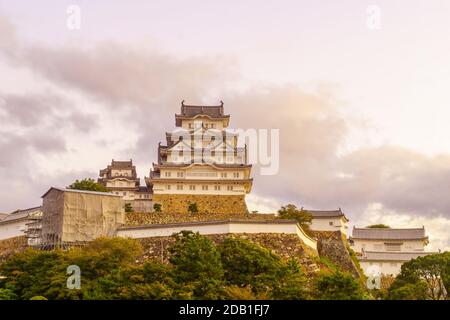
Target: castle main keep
[[200, 165]]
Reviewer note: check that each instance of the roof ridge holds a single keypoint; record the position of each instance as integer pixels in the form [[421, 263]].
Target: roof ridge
[[365, 228]]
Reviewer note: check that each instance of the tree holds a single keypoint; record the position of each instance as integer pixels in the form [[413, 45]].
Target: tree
[[7, 294], [291, 283], [128, 207], [290, 211], [425, 277], [88, 184], [157, 207], [338, 286], [192, 208], [379, 226], [246, 263], [196, 265]]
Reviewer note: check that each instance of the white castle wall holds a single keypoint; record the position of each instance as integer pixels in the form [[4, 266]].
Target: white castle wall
[[12, 229], [149, 231]]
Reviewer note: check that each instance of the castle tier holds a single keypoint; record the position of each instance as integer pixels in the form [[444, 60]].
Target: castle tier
[[202, 164], [121, 179]]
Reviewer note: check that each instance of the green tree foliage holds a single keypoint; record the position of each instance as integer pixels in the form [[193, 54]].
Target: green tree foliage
[[290, 211], [198, 269], [38, 298], [247, 263], [197, 263], [157, 207], [423, 278], [193, 208], [292, 284], [128, 207], [7, 294], [379, 226], [88, 184], [338, 286]]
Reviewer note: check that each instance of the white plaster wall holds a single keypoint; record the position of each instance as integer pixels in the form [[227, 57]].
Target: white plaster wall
[[223, 228], [378, 245], [13, 229], [161, 188], [323, 224], [115, 172]]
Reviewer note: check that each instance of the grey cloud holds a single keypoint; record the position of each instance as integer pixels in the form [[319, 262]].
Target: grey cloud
[[149, 86], [314, 175]]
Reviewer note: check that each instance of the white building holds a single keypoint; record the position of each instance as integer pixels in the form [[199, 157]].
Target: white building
[[16, 223], [121, 179], [386, 249], [201, 160], [330, 220]]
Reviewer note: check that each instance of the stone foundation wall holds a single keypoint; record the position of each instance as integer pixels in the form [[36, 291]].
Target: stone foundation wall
[[285, 245], [140, 218], [334, 246], [8, 247], [179, 203]]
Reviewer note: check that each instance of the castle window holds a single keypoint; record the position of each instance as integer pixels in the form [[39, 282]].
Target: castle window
[[224, 175], [217, 188], [168, 187], [168, 174], [230, 188], [124, 193], [192, 187], [330, 223], [179, 187], [180, 174], [204, 187], [235, 174]]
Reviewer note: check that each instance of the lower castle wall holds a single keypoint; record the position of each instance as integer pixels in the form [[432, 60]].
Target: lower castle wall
[[179, 203]]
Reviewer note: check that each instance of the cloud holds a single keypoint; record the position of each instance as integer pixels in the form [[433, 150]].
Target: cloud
[[314, 173], [138, 89], [436, 227]]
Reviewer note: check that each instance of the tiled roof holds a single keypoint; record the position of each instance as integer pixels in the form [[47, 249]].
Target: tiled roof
[[118, 165], [19, 215], [80, 191], [143, 189], [190, 111], [389, 233], [326, 213], [392, 256], [122, 164]]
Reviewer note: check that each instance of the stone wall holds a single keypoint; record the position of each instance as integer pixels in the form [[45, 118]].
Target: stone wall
[[11, 246], [179, 203], [141, 218], [334, 246], [285, 245]]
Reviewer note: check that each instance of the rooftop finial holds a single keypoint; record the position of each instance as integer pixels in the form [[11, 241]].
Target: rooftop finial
[[182, 102], [221, 103]]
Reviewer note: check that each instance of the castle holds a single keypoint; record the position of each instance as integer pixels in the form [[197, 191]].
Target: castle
[[200, 164], [198, 183]]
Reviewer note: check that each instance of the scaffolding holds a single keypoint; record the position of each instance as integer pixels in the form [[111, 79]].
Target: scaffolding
[[75, 217]]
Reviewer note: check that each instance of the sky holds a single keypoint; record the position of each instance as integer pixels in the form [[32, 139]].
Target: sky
[[358, 89]]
